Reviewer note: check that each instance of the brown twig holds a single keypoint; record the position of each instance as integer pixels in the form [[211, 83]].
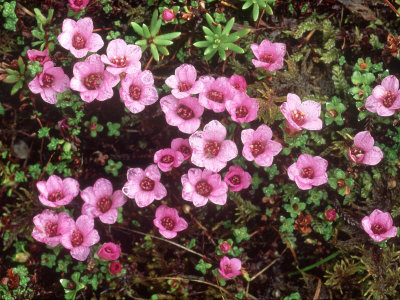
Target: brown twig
[[149, 62], [392, 7], [259, 19], [318, 290]]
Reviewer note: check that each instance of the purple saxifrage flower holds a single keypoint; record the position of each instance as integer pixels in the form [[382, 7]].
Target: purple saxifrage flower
[[385, 98], [183, 83], [199, 186], [258, 146], [122, 57], [57, 192], [92, 81], [78, 5], [109, 251], [78, 37], [168, 15], [210, 149], [379, 225], [229, 268], [184, 113], [51, 81], [237, 179], [242, 108], [40, 56], [168, 221], [183, 146], [238, 82], [144, 186], [363, 151], [49, 227], [301, 115], [269, 55], [308, 171], [115, 267], [168, 158], [102, 202], [138, 90], [215, 93]]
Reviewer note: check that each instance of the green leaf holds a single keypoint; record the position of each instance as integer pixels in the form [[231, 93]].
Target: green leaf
[[136, 27], [154, 30], [268, 10], [241, 33], [247, 4], [141, 43], [202, 44], [235, 48], [210, 54], [209, 20], [154, 52], [146, 31], [43, 132], [222, 53], [163, 50], [11, 78], [21, 65], [169, 36], [153, 23], [208, 31], [256, 11], [161, 42], [228, 27], [16, 87], [12, 72]]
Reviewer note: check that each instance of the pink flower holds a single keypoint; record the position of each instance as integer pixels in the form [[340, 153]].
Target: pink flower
[[115, 268], [210, 149], [215, 93], [138, 90], [80, 237], [184, 113], [78, 37], [385, 98], [49, 227], [269, 55], [78, 5], [237, 179], [92, 81], [49, 83], [183, 83], [363, 151], [238, 82], [109, 251], [183, 146], [258, 146], [144, 186], [168, 158], [168, 221], [122, 57], [229, 268], [40, 56], [330, 215], [57, 192], [225, 247], [168, 15], [379, 225], [101, 202], [199, 186], [308, 171], [242, 108], [301, 115]]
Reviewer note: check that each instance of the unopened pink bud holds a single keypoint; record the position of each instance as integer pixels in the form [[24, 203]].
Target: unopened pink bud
[[225, 247], [168, 15], [330, 215]]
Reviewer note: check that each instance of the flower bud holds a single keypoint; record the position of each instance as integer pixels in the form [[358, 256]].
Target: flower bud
[[168, 15], [330, 215], [109, 251], [115, 267]]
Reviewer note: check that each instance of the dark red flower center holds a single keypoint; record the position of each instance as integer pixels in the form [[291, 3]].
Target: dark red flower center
[[104, 204], [78, 2], [357, 154], [235, 180], [135, 92], [185, 112], [257, 148], [167, 159], [78, 41], [267, 58], [184, 86], [93, 81], [228, 268], [241, 111], [215, 96], [388, 99], [236, 86], [185, 150], [307, 172], [76, 238], [55, 196], [298, 117], [211, 149], [147, 184], [121, 61], [48, 80], [39, 58], [168, 223], [51, 229], [378, 228], [203, 188]]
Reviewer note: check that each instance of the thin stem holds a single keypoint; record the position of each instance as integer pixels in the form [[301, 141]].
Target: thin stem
[[326, 259], [265, 269], [392, 7], [149, 62]]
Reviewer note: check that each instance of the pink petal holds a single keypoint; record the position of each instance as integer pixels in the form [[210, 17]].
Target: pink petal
[[371, 104], [311, 108], [247, 136], [373, 157], [54, 184], [199, 200], [85, 224], [143, 198], [80, 253], [71, 187], [378, 92], [172, 82], [34, 86], [364, 140], [89, 96], [153, 173], [110, 217], [391, 83], [228, 151], [118, 199], [116, 48], [135, 174], [102, 188], [167, 233]]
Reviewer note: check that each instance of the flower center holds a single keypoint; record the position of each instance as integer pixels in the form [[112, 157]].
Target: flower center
[[185, 150], [333, 113], [167, 159], [78, 2], [53, 197], [257, 148], [104, 204], [184, 86], [267, 58], [235, 180], [215, 96], [203, 188], [135, 92], [357, 154], [39, 58], [378, 228], [340, 183], [185, 112], [298, 117], [211, 149], [147, 184], [227, 269], [241, 111], [48, 80], [225, 247], [78, 41], [76, 238], [307, 172], [121, 61], [93, 81], [168, 223], [388, 99], [51, 229]]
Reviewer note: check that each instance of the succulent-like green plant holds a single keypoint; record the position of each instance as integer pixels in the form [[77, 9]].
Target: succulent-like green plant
[[257, 4], [219, 40], [157, 43]]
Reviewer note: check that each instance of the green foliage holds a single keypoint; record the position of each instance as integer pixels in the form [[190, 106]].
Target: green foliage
[[44, 37], [339, 80], [295, 207], [113, 129], [257, 5], [113, 167], [202, 266], [8, 12], [241, 234], [73, 286], [17, 77], [334, 110], [94, 128], [245, 210]]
